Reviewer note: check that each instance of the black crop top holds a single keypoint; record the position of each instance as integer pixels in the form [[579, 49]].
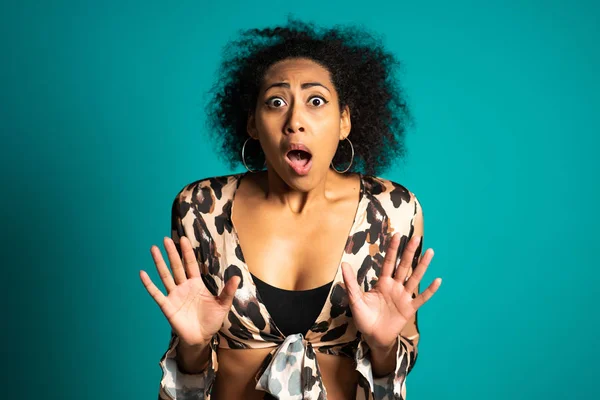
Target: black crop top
[[294, 311]]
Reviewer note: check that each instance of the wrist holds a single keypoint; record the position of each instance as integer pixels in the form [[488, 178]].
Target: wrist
[[193, 359], [194, 346], [379, 347], [382, 351], [383, 358]]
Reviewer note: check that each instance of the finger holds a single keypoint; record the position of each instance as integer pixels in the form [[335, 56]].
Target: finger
[[189, 258], [175, 260], [155, 293], [355, 294], [389, 263], [162, 269], [228, 292], [407, 258], [427, 293], [419, 271]]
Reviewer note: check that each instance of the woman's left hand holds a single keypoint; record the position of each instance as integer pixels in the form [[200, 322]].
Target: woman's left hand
[[381, 313]]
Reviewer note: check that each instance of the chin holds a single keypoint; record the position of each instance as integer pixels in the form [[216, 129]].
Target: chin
[[301, 183]]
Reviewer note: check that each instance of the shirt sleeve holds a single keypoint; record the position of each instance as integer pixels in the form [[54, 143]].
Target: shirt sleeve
[[175, 384], [393, 385]]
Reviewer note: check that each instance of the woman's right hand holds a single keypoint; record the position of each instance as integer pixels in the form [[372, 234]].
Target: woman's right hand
[[193, 312]]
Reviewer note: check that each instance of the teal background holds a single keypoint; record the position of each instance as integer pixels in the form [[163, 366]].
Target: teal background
[[101, 111]]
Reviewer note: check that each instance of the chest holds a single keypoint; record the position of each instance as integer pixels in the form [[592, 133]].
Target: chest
[[294, 252]]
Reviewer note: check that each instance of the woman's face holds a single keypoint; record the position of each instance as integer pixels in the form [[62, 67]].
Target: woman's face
[[298, 121]]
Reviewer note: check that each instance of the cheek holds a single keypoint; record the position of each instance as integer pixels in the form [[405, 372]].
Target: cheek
[[329, 130], [266, 133], [268, 124], [269, 136], [332, 146]]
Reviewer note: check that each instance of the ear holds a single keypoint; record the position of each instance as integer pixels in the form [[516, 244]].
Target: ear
[[251, 126], [345, 124]]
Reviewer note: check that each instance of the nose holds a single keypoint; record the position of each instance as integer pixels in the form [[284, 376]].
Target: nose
[[294, 122]]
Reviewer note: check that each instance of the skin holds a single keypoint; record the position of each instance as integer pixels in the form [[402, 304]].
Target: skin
[[297, 103], [302, 219]]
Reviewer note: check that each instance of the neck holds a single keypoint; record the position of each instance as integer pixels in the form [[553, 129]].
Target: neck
[[306, 195]]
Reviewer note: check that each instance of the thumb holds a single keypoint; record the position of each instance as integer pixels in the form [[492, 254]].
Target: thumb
[[355, 294], [226, 296]]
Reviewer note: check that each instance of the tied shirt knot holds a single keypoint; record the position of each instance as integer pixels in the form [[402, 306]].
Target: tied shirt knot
[[291, 372]]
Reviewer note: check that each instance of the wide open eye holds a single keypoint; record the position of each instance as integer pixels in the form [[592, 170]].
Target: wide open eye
[[275, 102], [317, 101]]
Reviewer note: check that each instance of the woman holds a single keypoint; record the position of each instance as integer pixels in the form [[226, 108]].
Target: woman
[[317, 305]]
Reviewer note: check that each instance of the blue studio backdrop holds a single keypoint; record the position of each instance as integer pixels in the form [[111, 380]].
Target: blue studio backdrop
[[102, 122]]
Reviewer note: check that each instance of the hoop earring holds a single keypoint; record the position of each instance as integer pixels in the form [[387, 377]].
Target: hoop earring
[[351, 160], [244, 159]]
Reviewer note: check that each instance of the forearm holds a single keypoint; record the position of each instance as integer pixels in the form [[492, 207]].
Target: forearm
[[383, 360], [192, 359]]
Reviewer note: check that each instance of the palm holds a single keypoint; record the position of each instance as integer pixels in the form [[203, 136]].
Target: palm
[[193, 312], [381, 313], [384, 311]]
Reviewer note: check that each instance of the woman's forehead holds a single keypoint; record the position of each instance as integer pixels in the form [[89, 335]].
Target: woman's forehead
[[298, 70]]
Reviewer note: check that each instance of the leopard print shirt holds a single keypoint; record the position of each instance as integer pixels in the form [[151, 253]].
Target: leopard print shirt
[[202, 212]]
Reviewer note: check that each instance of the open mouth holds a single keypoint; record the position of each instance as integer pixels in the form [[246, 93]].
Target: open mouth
[[299, 156], [299, 160]]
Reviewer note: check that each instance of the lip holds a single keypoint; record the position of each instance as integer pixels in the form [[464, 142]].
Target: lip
[[299, 170]]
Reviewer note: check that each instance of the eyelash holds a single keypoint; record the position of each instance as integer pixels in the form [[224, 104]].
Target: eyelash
[[268, 102]]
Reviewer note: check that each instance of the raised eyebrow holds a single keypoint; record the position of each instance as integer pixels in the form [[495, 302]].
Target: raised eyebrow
[[303, 86], [311, 84]]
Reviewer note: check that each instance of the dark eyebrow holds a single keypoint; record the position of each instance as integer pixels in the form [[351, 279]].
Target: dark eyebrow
[[303, 86]]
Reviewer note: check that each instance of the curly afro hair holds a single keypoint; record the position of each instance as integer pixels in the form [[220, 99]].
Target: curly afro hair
[[362, 73]]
